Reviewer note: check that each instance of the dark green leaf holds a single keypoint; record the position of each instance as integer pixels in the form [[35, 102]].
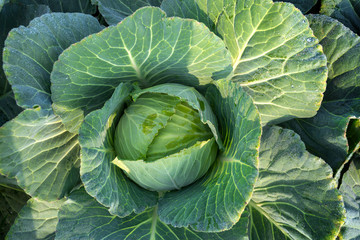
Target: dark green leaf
[[37, 150], [8, 107], [303, 5], [114, 11], [324, 134], [346, 11], [30, 53], [12, 199], [216, 201], [81, 217], [165, 50], [295, 195], [83, 6]]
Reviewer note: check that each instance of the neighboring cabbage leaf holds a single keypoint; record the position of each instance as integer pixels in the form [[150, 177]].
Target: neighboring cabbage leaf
[[169, 50], [346, 11], [36, 220], [275, 56], [83, 6], [2, 2], [350, 189], [216, 201], [114, 11], [303, 5], [30, 53], [12, 199], [37, 150], [11, 16], [324, 134], [295, 196], [99, 224], [102, 179]]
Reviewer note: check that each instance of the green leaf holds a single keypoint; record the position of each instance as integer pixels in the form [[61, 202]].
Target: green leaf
[[8, 107], [30, 53], [114, 11], [83, 6], [295, 195], [12, 199], [169, 50], [324, 134], [303, 5], [216, 201], [36, 220], [350, 189], [36, 149], [346, 11], [81, 217], [13, 15], [275, 56], [102, 179]]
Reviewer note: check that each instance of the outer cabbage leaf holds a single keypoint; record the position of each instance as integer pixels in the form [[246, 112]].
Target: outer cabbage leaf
[[169, 50], [346, 11], [350, 189], [216, 201], [36, 149], [36, 220], [114, 11], [99, 224], [30, 53], [275, 56], [295, 196], [303, 5], [324, 134], [11, 16], [12, 199], [102, 179], [83, 6]]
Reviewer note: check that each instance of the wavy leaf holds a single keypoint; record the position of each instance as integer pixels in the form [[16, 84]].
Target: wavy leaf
[[295, 195], [30, 53], [324, 134]]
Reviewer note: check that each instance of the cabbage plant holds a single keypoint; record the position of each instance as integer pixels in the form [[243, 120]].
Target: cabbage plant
[[178, 119]]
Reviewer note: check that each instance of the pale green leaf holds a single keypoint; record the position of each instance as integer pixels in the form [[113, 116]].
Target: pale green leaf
[[324, 134], [169, 50], [102, 179], [194, 99], [36, 220], [114, 11], [36, 149], [295, 196], [350, 189], [346, 11], [30, 53], [216, 201], [81, 217]]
